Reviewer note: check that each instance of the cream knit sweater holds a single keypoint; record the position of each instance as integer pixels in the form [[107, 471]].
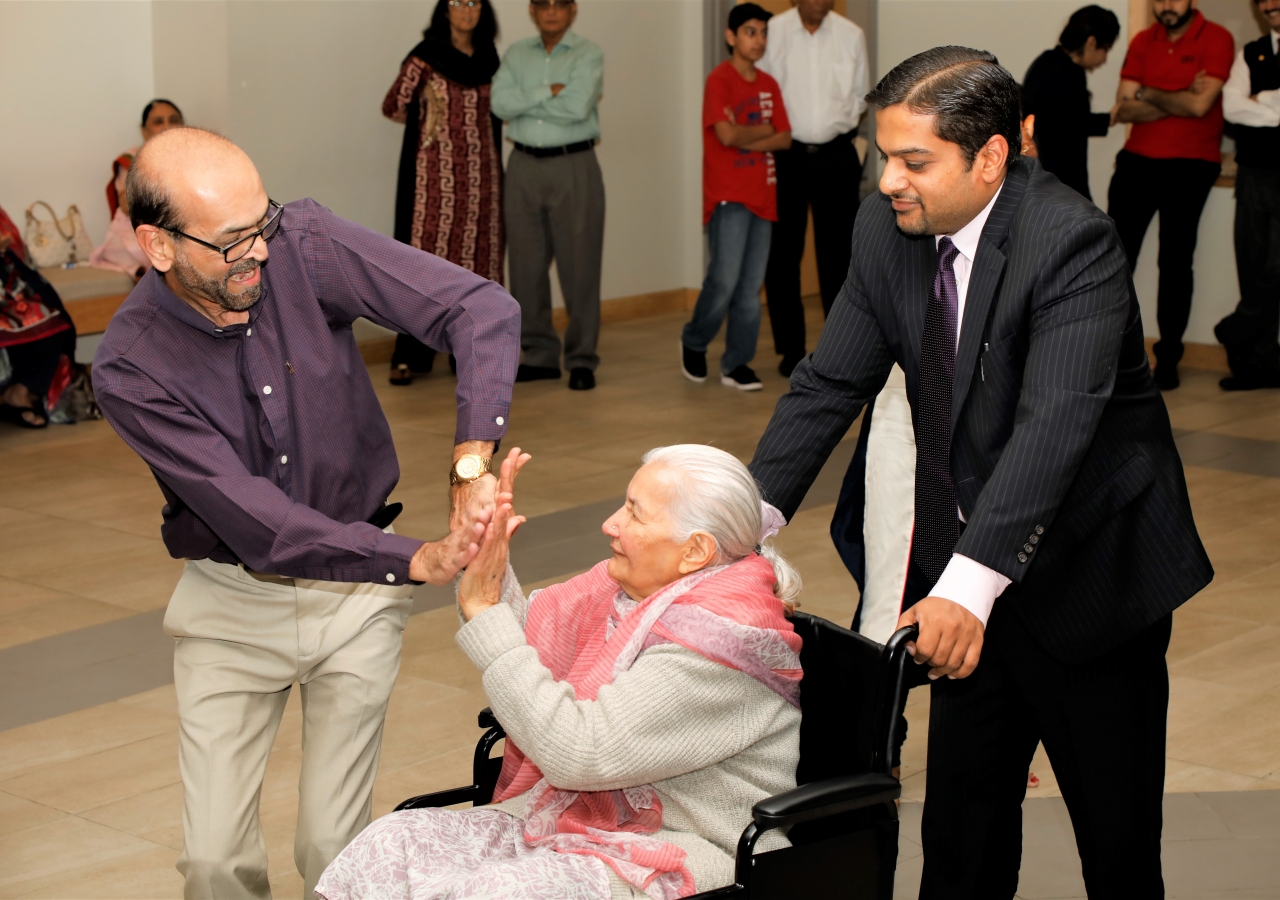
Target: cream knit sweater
[[711, 740]]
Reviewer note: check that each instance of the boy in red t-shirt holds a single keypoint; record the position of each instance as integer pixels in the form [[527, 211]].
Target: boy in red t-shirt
[[1170, 89], [743, 121]]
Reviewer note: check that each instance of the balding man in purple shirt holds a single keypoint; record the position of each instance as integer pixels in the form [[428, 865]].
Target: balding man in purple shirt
[[239, 382]]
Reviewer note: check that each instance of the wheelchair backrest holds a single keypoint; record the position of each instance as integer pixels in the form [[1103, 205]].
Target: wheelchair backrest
[[838, 698]]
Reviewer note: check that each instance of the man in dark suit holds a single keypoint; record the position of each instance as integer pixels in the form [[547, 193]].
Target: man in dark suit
[[1046, 476]]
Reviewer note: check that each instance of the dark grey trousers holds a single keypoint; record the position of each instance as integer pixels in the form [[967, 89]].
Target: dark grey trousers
[[554, 209]]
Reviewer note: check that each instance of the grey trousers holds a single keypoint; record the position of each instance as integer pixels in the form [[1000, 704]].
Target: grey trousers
[[554, 209], [242, 639]]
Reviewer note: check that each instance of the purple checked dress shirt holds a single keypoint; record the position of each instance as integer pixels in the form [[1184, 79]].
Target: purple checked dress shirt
[[267, 439]]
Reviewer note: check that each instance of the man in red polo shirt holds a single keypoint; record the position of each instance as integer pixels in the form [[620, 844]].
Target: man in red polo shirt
[[1170, 90]]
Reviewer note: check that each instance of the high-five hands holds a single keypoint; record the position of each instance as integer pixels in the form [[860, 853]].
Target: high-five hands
[[950, 639], [481, 584]]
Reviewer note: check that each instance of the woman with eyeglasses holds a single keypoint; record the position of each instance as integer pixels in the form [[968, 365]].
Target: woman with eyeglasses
[[449, 192]]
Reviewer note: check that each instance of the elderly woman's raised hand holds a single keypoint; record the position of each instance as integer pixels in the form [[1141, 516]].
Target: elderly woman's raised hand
[[481, 584]]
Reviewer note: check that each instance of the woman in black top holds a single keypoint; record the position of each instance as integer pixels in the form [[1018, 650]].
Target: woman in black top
[[1055, 92]]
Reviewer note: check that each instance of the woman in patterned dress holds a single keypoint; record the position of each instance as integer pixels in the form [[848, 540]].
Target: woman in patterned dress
[[449, 194]]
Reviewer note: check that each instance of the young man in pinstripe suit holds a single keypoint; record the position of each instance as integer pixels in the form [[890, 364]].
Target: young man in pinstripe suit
[[1053, 532]]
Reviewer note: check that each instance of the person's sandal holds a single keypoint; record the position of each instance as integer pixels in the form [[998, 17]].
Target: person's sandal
[[400, 375], [14, 414]]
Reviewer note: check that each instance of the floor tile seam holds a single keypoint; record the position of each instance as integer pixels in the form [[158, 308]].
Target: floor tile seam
[[73, 874], [40, 767], [1189, 762]]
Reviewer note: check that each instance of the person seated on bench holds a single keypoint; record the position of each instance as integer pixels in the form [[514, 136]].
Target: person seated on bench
[[35, 334], [648, 704], [120, 250]]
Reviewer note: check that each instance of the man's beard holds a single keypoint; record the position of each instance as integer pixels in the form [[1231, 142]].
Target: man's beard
[[1179, 21], [216, 291], [922, 226]]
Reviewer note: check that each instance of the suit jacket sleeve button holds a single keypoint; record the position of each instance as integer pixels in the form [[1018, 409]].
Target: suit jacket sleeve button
[[1034, 539], [1039, 529], [1027, 548], [1022, 557]]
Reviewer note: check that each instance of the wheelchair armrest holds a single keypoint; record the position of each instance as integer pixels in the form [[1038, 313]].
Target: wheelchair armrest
[[825, 798], [487, 719]]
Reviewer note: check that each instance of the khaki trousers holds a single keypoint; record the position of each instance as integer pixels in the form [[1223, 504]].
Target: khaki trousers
[[241, 640]]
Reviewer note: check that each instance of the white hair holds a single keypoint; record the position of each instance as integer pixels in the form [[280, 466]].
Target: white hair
[[716, 495]]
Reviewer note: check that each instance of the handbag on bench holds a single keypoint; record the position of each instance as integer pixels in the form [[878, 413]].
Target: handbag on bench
[[57, 241]]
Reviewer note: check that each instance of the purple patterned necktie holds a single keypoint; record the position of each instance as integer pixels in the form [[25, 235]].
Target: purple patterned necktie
[[937, 523]]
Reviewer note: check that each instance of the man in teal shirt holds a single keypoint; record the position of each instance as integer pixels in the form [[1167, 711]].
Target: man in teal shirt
[[547, 90]]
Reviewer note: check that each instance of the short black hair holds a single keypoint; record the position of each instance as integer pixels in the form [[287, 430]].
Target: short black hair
[[146, 110], [744, 13], [486, 29], [1090, 21], [149, 202], [971, 96]]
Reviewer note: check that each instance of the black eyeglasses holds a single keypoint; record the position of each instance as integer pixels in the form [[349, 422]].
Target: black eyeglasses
[[237, 250], [552, 4], [469, 4]]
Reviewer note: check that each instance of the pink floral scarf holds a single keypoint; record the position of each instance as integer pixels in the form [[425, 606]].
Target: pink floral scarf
[[587, 631]]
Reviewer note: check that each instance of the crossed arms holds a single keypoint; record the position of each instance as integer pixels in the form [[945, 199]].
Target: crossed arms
[[1136, 102]]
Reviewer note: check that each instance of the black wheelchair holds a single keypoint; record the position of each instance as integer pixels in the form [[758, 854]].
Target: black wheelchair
[[842, 817]]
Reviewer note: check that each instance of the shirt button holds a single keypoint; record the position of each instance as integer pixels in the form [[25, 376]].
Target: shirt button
[[499, 420], [284, 459], [391, 577], [248, 332], [267, 389]]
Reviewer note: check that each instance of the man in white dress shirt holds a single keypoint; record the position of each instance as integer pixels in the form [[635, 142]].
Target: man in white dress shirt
[[819, 58], [1251, 105]]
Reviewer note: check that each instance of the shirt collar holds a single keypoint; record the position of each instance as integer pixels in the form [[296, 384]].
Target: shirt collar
[[1275, 43], [966, 239], [568, 42], [183, 312]]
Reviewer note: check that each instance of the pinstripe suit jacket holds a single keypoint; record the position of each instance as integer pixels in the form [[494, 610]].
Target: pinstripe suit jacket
[[1061, 450]]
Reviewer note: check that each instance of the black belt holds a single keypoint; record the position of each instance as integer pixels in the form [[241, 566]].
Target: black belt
[[386, 515], [544, 152], [836, 142]]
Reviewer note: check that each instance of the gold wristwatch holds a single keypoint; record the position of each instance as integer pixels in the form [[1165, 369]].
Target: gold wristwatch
[[468, 468]]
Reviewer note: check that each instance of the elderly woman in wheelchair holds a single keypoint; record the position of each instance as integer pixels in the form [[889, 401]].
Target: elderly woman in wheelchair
[[648, 704]]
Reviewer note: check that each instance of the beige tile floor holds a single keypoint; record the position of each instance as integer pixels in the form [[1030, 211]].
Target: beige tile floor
[[90, 802]]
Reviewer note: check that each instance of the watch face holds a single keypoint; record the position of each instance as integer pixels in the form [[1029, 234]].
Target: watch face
[[467, 467]]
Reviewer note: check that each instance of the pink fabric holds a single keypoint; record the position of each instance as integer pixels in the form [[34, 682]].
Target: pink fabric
[[120, 250], [583, 634]]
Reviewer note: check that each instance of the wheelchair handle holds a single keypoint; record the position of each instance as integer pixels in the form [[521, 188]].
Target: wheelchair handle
[[893, 694]]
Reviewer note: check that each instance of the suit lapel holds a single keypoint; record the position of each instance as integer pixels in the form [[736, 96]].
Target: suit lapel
[[984, 278]]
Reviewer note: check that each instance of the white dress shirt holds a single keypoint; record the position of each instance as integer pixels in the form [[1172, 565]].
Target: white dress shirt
[[966, 581], [823, 75], [1263, 112]]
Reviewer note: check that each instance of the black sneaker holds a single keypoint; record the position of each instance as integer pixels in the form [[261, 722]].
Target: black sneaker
[[1250, 382], [788, 365], [581, 379], [741, 378], [536, 373], [693, 365]]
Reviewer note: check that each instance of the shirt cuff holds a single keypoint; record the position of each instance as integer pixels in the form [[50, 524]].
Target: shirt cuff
[[481, 422], [490, 634], [972, 585], [391, 559]]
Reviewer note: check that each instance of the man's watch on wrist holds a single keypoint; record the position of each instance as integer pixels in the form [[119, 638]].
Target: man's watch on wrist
[[468, 468]]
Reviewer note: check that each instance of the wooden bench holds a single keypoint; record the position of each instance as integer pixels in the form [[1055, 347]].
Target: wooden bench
[[90, 295]]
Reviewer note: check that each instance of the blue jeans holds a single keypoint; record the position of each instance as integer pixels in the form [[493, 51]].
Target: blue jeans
[[739, 254]]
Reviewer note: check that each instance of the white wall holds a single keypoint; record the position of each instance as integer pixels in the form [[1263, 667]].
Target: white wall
[[74, 77], [1017, 31], [300, 85]]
